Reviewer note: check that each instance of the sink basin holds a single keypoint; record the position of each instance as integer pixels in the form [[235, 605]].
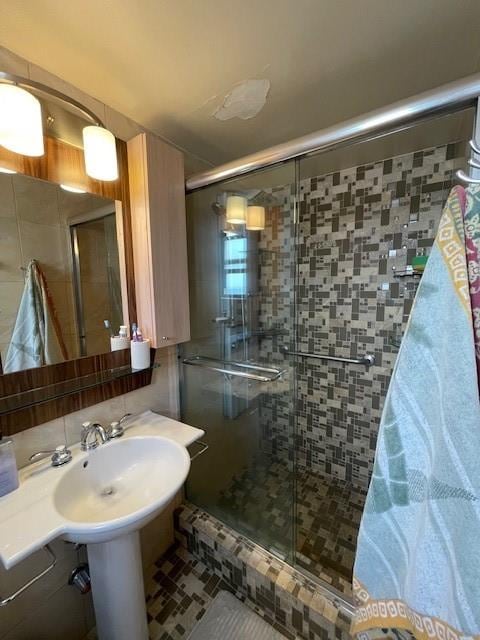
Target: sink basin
[[118, 487]]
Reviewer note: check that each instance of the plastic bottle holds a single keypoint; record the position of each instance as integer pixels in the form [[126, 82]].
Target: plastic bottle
[[8, 468]]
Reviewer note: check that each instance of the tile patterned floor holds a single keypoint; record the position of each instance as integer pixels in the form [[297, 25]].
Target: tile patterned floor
[[328, 511], [328, 518], [178, 592]]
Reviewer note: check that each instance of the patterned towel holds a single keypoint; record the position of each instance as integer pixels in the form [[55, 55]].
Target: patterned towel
[[418, 556]]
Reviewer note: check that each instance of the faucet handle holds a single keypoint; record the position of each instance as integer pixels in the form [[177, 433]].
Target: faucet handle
[[61, 455], [115, 430]]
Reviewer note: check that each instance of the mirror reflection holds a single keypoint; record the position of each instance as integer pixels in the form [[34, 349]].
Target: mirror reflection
[[59, 273]]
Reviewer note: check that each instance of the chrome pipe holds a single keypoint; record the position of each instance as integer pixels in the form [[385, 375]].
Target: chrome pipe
[[474, 147], [447, 98], [26, 83], [461, 175], [474, 164]]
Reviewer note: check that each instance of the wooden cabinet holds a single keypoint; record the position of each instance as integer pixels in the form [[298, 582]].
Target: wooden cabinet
[[157, 197]]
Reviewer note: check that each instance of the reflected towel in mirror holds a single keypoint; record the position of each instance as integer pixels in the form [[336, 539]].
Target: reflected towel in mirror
[[36, 338]]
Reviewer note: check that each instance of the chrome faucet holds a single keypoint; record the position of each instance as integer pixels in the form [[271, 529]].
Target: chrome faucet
[[91, 433]]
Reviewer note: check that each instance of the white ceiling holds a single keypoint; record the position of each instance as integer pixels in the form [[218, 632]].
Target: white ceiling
[[168, 64]]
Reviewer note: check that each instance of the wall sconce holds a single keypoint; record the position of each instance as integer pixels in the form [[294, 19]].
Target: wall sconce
[[255, 218], [236, 209], [20, 121], [21, 126], [100, 153]]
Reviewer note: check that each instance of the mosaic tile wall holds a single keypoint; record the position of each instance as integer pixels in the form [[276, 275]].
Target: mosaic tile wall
[[357, 227]]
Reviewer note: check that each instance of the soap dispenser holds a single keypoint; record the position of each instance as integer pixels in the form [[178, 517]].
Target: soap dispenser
[[8, 467]]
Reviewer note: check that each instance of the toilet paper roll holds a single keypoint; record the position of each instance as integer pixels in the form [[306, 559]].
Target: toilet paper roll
[[119, 342], [140, 354]]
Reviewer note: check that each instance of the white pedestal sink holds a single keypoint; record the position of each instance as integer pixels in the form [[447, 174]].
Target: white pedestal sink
[[102, 498], [117, 587], [106, 497]]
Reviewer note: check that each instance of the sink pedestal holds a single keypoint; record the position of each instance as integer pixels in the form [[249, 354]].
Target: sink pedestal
[[117, 587]]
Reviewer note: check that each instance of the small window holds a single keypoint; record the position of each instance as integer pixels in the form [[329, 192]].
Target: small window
[[235, 266]]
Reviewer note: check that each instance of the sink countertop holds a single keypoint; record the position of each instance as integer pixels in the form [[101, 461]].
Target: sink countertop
[[28, 518]]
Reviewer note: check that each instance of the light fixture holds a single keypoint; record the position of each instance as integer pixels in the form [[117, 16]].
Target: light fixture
[[236, 210], [255, 218], [21, 125], [67, 187], [100, 153], [5, 170], [20, 121]]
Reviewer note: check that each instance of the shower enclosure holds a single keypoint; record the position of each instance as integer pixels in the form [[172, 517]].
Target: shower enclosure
[[297, 317]]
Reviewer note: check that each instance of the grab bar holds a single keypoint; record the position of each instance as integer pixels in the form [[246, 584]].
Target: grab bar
[[8, 599], [213, 365], [367, 360]]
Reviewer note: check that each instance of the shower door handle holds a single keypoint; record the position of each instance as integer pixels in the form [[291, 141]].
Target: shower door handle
[[249, 371], [367, 360]]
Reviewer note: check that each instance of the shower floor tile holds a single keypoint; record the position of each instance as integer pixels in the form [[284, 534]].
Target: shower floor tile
[[328, 513], [179, 591]]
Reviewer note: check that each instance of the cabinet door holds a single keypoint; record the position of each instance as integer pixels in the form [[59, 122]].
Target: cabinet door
[[157, 196]]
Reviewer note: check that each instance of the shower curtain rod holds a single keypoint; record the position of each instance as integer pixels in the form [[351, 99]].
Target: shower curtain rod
[[448, 98]]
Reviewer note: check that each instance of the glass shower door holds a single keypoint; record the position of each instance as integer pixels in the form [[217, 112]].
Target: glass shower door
[[237, 383], [330, 270], [367, 215]]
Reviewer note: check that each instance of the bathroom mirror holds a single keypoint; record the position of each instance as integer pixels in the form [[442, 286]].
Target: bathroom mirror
[[60, 275], [81, 243]]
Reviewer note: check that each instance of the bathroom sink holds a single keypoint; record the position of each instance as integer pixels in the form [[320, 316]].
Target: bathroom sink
[[102, 498], [119, 487]]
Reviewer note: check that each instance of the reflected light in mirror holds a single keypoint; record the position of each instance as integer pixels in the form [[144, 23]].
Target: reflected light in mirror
[[20, 121], [70, 189], [236, 210], [255, 218], [100, 153]]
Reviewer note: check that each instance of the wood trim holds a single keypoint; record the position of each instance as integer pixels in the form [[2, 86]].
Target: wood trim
[[63, 163], [45, 410]]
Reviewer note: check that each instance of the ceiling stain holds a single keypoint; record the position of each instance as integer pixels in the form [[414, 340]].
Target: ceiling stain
[[245, 100]]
